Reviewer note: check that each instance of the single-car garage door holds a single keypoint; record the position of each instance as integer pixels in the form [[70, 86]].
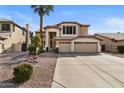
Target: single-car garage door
[[64, 47], [85, 46]]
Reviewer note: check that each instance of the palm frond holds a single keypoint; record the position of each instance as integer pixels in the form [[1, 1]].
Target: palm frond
[[47, 9], [42, 9], [33, 6]]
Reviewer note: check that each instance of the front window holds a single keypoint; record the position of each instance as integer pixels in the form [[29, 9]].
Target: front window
[[5, 27], [69, 29]]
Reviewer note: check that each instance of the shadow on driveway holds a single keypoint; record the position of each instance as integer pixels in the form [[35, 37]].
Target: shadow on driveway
[[78, 54]]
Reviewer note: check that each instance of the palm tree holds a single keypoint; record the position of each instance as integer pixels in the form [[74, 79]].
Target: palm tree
[[42, 10]]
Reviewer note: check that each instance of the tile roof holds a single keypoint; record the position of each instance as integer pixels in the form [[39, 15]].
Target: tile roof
[[71, 38], [115, 36], [51, 26], [73, 22], [64, 22], [10, 21], [5, 20], [64, 38]]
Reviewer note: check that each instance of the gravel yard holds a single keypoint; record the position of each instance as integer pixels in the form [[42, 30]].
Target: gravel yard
[[41, 78]]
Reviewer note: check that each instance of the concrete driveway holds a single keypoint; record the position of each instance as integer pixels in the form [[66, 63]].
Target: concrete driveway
[[88, 71]]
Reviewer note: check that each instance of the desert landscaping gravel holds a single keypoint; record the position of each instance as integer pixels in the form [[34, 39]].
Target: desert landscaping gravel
[[42, 76]]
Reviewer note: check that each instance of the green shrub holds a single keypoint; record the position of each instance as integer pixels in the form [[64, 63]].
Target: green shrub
[[22, 73], [32, 49], [35, 43], [120, 49]]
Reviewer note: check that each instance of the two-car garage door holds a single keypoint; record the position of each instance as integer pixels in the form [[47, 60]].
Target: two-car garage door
[[85, 46], [78, 46]]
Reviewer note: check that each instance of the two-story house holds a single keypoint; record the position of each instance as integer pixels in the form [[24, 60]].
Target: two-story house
[[12, 36], [71, 37]]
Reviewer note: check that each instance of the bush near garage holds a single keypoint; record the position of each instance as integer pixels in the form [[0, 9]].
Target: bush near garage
[[120, 49], [22, 73]]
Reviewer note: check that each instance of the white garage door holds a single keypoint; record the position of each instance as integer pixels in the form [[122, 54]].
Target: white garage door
[[64, 47], [85, 46]]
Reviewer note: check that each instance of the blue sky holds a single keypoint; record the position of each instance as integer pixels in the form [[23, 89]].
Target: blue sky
[[101, 18]]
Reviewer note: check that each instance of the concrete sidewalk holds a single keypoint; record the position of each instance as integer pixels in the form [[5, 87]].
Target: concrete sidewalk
[[88, 71]]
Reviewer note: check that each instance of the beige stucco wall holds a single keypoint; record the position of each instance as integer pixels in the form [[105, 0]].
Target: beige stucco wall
[[110, 45], [18, 36], [121, 43], [83, 30], [17, 47], [14, 38]]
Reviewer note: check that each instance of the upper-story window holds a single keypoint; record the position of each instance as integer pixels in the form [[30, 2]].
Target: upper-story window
[[5, 27], [69, 29]]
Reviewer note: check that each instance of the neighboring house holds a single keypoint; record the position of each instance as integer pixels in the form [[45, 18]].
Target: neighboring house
[[12, 36], [70, 37], [110, 41]]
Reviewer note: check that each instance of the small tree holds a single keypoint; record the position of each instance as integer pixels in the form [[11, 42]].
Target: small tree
[[35, 43], [42, 10]]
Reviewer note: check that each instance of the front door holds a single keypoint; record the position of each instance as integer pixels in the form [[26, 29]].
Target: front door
[[103, 47]]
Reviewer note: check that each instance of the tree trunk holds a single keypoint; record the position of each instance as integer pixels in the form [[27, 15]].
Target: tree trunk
[[41, 29]]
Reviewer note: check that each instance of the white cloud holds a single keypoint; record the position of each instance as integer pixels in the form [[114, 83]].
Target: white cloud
[[24, 19], [6, 16], [115, 22], [34, 27], [69, 13], [22, 16]]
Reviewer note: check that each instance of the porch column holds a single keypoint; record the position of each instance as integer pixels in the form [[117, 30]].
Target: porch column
[[46, 39], [99, 47], [57, 33]]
